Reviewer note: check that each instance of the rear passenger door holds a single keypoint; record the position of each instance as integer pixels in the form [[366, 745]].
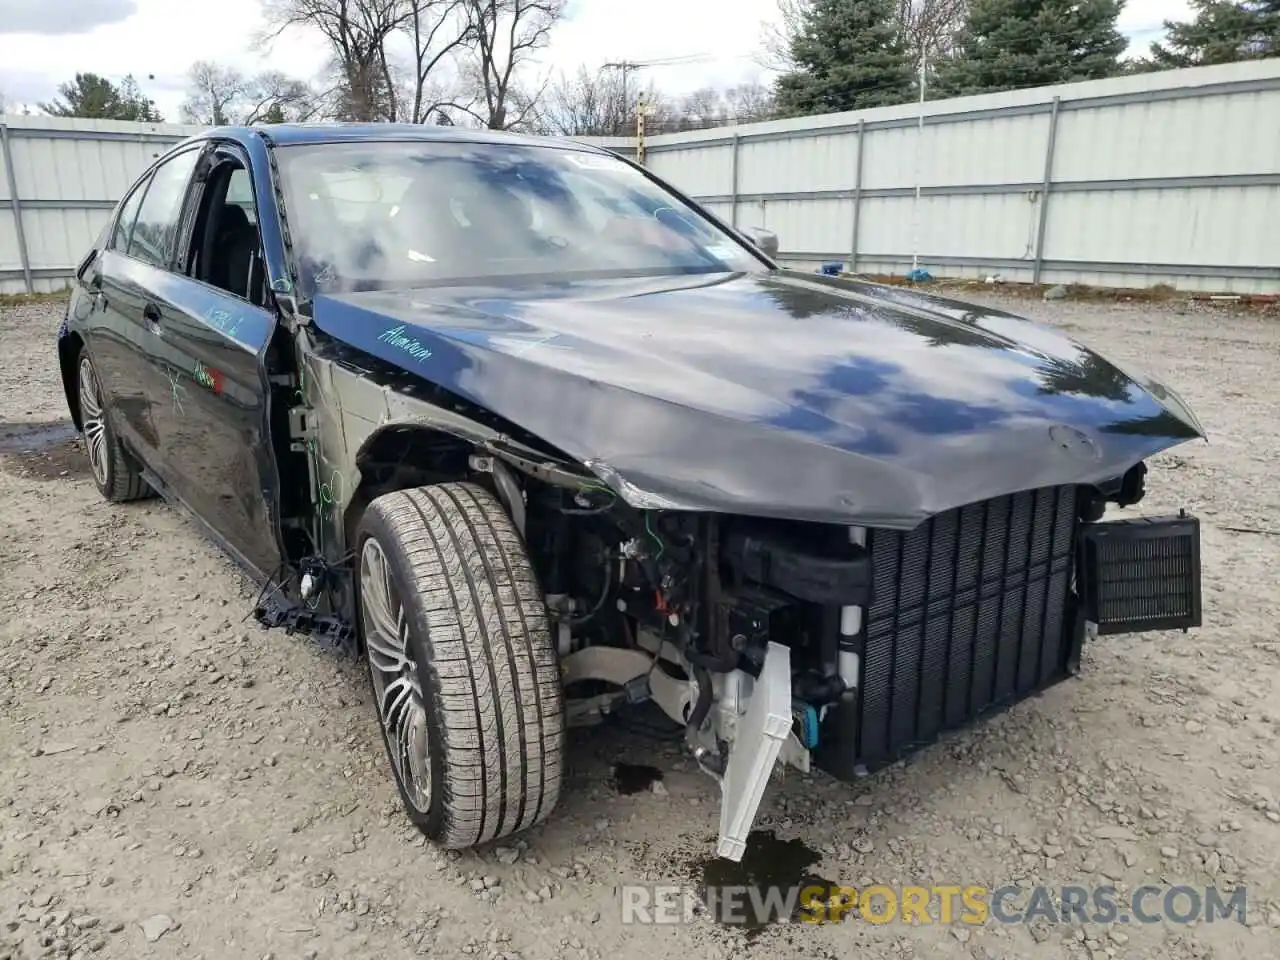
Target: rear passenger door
[[126, 337], [111, 338], [216, 329]]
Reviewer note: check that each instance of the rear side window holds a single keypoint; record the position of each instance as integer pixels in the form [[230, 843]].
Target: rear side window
[[156, 229], [128, 214]]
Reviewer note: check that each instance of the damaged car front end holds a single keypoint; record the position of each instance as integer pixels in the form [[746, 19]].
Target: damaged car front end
[[887, 529], [550, 441]]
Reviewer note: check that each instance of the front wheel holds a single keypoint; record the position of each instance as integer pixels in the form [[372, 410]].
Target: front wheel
[[464, 673]]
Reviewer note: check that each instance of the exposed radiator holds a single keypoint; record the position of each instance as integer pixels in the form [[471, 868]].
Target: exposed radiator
[[969, 612], [1141, 574]]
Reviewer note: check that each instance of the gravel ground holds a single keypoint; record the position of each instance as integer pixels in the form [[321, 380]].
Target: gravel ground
[[178, 783]]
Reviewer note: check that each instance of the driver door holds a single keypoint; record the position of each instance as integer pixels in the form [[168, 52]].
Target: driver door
[[216, 328]]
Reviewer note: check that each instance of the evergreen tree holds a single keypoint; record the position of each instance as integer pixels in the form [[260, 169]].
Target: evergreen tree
[[1009, 44], [1222, 31], [90, 95], [134, 103], [845, 55]]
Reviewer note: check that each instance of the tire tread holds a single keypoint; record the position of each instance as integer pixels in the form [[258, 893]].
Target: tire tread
[[498, 700]]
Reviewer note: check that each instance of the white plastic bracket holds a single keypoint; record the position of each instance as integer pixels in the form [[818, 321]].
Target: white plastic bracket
[[622, 668], [760, 735]]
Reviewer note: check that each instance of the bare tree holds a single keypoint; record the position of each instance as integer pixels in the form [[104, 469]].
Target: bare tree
[[660, 112], [749, 102], [272, 97], [439, 30], [930, 26], [4, 104], [356, 32], [776, 47], [585, 105], [214, 94], [223, 95], [710, 107], [704, 107], [505, 33]]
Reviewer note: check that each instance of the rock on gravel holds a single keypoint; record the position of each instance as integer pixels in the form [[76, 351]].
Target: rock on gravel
[[155, 927]]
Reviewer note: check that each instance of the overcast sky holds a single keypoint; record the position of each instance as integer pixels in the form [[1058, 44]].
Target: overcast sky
[[44, 42]]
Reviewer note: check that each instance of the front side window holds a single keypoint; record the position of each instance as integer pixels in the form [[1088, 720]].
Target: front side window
[[156, 229], [128, 214], [240, 193], [225, 247], [379, 215]]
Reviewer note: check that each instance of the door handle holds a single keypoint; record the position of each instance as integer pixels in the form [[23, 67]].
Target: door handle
[[151, 313]]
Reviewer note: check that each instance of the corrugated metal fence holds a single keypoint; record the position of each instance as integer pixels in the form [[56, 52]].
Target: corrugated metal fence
[[1170, 178], [61, 179]]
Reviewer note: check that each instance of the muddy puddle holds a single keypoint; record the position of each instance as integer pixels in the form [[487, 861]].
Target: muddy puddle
[[42, 451], [631, 778], [772, 884]]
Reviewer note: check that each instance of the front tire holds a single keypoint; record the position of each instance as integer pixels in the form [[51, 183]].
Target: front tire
[[464, 674], [115, 473]]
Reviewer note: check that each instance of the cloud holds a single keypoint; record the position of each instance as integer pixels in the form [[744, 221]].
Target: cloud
[[62, 16], [1144, 16], [713, 42], [156, 43], [28, 88], [716, 39]]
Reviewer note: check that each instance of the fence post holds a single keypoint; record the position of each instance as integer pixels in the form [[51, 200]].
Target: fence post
[[16, 206], [733, 177], [857, 198], [1044, 189]]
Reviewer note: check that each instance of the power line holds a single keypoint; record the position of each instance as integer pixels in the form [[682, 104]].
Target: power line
[[672, 61], [628, 67]]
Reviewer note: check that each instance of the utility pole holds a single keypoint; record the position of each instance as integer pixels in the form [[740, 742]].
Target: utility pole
[[915, 212], [624, 67], [640, 111], [627, 67]]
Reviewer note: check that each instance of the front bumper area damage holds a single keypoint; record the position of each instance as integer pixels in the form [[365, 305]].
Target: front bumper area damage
[[932, 630], [832, 602]]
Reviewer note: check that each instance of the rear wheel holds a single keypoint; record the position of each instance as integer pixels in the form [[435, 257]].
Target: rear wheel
[[115, 473], [464, 673]]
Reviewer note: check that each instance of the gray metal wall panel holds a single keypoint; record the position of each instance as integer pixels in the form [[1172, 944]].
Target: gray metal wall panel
[[61, 237], [1156, 148], [1191, 226], [979, 164], [9, 259]]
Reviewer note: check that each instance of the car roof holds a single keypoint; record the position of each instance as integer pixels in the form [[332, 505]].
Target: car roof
[[284, 134]]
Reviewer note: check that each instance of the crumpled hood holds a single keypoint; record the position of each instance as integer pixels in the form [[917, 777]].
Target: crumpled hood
[[777, 394]]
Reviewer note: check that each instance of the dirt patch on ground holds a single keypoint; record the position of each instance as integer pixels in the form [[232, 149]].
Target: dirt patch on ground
[[43, 451], [178, 783]]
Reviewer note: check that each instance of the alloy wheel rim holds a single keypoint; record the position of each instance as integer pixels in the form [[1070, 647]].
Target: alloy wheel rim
[[396, 686], [94, 426]]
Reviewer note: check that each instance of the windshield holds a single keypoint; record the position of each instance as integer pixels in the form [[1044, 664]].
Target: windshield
[[377, 215]]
